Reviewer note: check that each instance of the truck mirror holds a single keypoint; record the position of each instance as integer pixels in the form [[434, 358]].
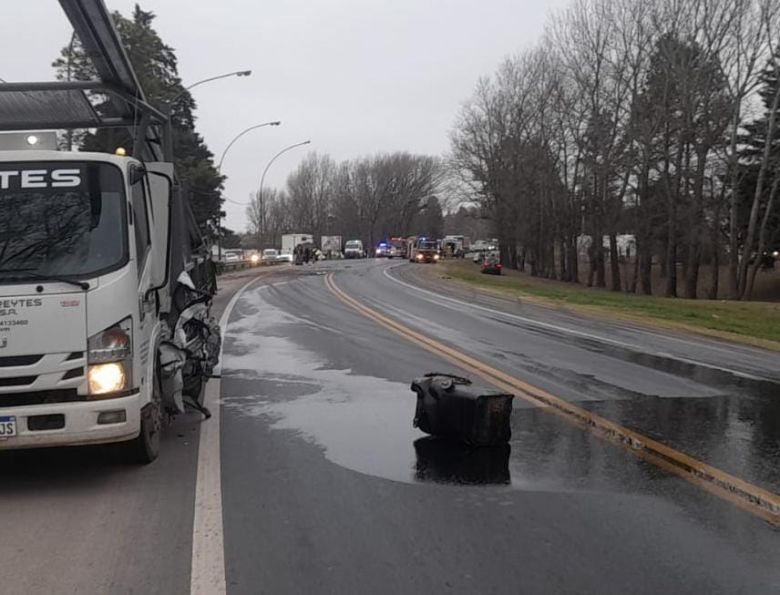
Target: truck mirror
[[136, 174], [160, 177]]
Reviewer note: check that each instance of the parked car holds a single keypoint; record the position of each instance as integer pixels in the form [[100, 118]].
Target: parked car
[[232, 257], [491, 266], [270, 256], [284, 258]]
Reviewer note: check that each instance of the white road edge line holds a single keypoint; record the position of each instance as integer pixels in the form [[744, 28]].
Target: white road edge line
[[207, 574], [563, 329]]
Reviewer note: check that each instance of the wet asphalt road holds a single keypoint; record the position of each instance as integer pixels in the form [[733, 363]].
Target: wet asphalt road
[[327, 488], [716, 401], [78, 521]]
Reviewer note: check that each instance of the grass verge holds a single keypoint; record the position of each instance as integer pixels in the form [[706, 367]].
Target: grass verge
[[755, 323]]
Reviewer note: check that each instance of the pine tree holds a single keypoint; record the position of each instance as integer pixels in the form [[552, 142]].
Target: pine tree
[[767, 237], [156, 67]]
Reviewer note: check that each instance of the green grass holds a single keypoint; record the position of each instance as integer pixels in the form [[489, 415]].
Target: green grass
[[757, 320]]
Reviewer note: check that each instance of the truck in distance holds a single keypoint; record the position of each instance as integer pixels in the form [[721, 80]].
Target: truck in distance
[[424, 250], [354, 249], [291, 240], [394, 247], [331, 246]]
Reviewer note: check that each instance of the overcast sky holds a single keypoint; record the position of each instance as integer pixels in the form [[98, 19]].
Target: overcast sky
[[354, 76]]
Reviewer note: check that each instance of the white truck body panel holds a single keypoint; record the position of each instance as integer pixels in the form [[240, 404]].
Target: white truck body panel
[[330, 244], [27, 319], [291, 240]]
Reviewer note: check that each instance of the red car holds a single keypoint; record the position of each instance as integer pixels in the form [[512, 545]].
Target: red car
[[491, 266]]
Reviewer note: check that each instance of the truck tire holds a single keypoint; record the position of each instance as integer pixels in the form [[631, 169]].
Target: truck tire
[[146, 447]]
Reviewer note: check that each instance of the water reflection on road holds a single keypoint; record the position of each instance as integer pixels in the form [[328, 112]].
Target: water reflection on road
[[278, 369]]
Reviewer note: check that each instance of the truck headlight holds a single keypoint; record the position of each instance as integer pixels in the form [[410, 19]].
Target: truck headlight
[[419, 257], [435, 257], [255, 258], [106, 378], [110, 358]]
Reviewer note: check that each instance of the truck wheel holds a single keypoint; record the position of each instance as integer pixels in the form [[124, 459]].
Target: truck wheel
[[146, 447]]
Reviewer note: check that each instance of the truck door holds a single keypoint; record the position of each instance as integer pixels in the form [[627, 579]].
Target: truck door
[[143, 253]]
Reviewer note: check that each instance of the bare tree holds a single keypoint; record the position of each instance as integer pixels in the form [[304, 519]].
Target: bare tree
[[268, 217], [745, 283]]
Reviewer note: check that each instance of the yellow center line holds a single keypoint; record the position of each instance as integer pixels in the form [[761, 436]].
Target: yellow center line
[[747, 496]]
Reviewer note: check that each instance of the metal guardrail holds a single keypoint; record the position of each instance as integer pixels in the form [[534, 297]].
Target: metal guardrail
[[226, 267]]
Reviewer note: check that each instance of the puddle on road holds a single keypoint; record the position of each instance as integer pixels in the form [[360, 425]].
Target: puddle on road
[[736, 433], [363, 423], [708, 375], [442, 461]]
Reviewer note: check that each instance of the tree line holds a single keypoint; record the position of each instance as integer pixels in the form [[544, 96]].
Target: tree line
[[368, 198], [655, 118]]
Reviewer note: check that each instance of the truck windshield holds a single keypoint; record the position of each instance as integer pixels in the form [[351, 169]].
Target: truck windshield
[[352, 245], [427, 245], [63, 218]]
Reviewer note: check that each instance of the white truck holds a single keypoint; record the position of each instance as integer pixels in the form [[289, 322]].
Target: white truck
[[291, 240], [105, 283], [455, 245], [331, 246]]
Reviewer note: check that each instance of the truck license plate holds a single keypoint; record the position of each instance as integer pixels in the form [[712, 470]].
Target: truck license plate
[[7, 426]]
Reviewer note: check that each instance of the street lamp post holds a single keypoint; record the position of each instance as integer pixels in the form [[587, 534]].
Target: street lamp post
[[239, 135], [219, 171], [265, 171], [170, 104], [208, 80]]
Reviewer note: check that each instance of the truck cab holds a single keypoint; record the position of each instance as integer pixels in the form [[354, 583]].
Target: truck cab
[[83, 269]]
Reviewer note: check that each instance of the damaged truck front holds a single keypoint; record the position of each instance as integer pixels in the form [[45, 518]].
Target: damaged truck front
[[105, 281], [102, 327]]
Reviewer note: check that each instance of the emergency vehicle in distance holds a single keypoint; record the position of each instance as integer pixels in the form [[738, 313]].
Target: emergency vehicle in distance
[[395, 247], [423, 250]]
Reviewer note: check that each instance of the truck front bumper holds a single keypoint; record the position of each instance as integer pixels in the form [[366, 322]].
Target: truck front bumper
[[81, 423]]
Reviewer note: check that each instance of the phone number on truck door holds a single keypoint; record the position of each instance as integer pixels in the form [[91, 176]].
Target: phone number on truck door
[[14, 322]]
